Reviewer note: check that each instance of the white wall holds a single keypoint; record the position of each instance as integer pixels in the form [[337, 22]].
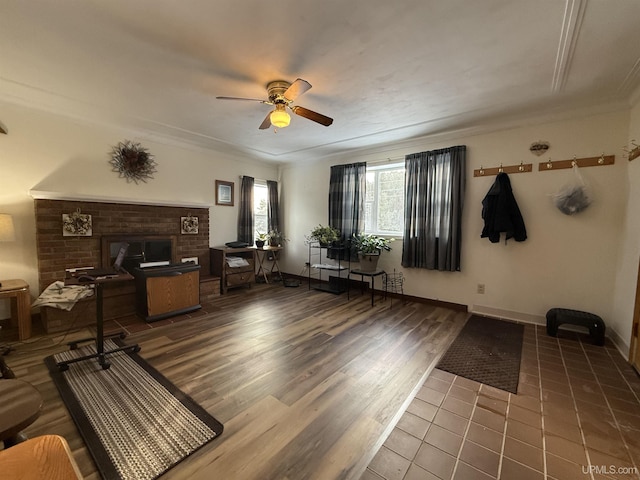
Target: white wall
[[627, 266], [51, 153], [567, 261]]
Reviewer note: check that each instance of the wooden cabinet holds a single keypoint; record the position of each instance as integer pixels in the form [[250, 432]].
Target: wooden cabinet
[[18, 291], [231, 273], [167, 291]]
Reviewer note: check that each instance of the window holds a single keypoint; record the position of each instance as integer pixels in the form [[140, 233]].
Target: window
[[260, 208], [384, 203]]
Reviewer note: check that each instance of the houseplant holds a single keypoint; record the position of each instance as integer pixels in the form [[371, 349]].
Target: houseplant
[[276, 238], [261, 239], [324, 235], [369, 248]]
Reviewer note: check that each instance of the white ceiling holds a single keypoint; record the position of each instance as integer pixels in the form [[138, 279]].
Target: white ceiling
[[385, 71]]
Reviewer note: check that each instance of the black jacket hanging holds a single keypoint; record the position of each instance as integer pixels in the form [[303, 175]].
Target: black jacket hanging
[[500, 212]]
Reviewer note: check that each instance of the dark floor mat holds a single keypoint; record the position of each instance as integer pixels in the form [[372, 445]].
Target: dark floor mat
[[488, 351]]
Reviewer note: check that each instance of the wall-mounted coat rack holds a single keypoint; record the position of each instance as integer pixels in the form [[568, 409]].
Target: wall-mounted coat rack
[[485, 172], [581, 162]]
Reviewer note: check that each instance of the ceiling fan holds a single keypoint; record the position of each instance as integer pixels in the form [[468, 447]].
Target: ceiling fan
[[281, 95]]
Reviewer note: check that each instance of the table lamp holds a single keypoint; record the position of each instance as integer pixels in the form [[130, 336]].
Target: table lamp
[[7, 230]]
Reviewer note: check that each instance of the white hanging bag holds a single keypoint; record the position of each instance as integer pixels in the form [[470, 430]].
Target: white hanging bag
[[575, 196]]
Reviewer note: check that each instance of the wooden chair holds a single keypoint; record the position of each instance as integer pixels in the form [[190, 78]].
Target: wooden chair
[[47, 456]]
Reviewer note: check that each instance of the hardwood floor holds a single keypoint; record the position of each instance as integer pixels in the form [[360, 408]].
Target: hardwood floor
[[307, 384]]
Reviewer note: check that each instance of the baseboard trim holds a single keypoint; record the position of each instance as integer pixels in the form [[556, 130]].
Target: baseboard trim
[[509, 315], [358, 284]]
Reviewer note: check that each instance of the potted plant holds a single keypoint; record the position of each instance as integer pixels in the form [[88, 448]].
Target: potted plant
[[325, 236], [369, 248], [276, 238], [261, 239]]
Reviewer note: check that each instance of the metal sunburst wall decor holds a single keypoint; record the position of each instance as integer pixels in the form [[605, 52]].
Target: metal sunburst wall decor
[[132, 161]]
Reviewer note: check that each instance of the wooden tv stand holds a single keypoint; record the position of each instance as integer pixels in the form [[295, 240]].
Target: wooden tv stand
[[164, 292]]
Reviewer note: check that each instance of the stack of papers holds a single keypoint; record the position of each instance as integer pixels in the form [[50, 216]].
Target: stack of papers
[[234, 262], [327, 266]]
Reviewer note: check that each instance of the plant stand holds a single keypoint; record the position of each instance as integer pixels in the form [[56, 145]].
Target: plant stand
[[372, 275], [339, 284]]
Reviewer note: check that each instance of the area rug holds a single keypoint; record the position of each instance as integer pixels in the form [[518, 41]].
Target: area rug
[[488, 351], [136, 423]]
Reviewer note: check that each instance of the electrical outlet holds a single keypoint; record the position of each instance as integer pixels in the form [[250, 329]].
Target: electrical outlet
[[481, 288]]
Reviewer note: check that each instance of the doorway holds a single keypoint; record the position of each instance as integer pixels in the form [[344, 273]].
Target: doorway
[[634, 351]]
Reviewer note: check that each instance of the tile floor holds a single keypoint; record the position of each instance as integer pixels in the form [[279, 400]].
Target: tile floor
[[576, 416]]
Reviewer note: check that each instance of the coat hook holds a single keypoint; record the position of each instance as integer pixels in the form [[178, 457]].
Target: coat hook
[[634, 152], [549, 164], [481, 172], [501, 169], [601, 159], [627, 151], [521, 167], [574, 162]]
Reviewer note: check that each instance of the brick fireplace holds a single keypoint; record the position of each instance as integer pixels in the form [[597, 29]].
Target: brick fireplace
[[57, 252]]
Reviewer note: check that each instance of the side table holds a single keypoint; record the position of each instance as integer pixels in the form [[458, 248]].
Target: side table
[[261, 253], [372, 275], [18, 291], [20, 404]]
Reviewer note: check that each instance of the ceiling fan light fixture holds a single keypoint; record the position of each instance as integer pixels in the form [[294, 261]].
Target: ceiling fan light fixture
[[279, 117], [281, 96]]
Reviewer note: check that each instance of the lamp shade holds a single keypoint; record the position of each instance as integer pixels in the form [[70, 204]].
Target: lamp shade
[[7, 231], [279, 117]]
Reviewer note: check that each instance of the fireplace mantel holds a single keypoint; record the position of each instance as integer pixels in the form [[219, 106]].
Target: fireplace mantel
[[79, 197]]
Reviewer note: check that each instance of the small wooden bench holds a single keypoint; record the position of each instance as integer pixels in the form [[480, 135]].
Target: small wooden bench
[[560, 316]]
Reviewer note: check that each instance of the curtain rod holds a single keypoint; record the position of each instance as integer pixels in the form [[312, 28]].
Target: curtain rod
[[387, 160], [256, 179]]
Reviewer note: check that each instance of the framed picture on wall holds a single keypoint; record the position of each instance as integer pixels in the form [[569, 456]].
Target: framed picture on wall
[[189, 225], [224, 193], [76, 224]]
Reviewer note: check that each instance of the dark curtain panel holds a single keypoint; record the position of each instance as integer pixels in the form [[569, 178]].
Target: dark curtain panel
[[245, 216], [434, 189], [347, 186], [273, 206]]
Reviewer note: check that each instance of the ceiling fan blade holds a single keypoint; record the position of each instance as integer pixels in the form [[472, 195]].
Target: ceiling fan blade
[[296, 89], [244, 99], [266, 123], [311, 115]]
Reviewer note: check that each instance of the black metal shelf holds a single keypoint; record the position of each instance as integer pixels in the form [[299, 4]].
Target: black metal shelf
[[335, 284]]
